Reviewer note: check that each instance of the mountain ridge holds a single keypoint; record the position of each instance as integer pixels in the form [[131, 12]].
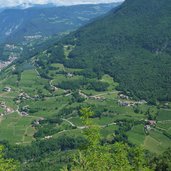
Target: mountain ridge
[[25, 4], [15, 24]]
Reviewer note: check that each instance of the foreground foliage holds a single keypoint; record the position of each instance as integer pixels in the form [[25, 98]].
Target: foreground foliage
[[7, 164], [98, 157]]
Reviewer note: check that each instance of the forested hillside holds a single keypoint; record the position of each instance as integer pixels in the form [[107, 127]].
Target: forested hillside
[[132, 44]]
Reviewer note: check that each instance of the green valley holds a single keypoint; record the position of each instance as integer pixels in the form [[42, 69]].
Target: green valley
[[97, 99], [45, 106]]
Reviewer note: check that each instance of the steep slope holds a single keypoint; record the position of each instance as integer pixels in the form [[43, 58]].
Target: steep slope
[[20, 24], [132, 44]]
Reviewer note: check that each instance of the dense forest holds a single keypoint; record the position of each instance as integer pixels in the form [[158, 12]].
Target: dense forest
[[132, 44]]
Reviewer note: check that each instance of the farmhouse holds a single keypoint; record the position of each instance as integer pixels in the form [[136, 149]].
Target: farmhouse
[[8, 110], [48, 137], [122, 96], [152, 122], [121, 103], [2, 104], [70, 75], [24, 114], [147, 127], [7, 89], [37, 122]]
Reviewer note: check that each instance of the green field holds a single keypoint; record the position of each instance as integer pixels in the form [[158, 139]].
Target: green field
[[156, 142], [137, 134], [45, 100], [164, 115], [17, 129]]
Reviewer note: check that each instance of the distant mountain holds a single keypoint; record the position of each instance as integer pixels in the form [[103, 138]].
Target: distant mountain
[[132, 44], [30, 5], [18, 24]]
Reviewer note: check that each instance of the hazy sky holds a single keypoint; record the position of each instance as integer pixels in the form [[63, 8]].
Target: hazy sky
[[8, 3]]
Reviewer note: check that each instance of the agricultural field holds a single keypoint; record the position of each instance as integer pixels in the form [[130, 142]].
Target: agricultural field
[[164, 115], [37, 107], [156, 142], [17, 129], [137, 135]]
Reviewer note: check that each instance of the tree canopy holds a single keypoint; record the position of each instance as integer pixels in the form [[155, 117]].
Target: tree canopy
[[7, 164]]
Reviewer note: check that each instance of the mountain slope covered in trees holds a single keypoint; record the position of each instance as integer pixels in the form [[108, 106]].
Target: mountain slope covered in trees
[[132, 44]]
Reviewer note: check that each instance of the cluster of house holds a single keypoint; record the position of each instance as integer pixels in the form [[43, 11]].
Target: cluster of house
[[131, 103], [149, 125], [14, 53], [12, 47], [126, 102], [23, 96], [4, 64], [6, 109], [24, 111], [34, 37]]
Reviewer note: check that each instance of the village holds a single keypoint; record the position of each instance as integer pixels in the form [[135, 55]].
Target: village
[[4, 64], [24, 107], [12, 52]]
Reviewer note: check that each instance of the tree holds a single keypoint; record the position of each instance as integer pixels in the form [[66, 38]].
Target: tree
[[7, 164], [97, 157], [162, 162]]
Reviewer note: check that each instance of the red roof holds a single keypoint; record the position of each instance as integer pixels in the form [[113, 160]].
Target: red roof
[[151, 122]]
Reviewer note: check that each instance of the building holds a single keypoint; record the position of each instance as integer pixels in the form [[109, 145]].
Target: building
[[122, 96], [152, 122], [7, 89]]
